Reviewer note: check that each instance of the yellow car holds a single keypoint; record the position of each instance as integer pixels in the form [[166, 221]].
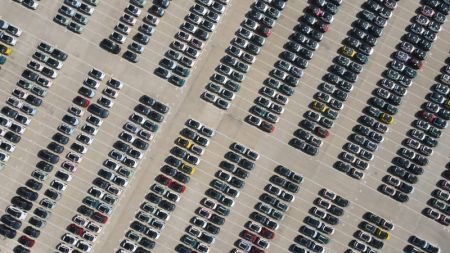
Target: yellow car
[[5, 50], [348, 51], [182, 142], [386, 118], [187, 169], [447, 104], [382, 234], [318, 106]]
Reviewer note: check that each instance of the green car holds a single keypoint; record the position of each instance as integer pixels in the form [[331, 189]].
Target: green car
[[235, 87], [222, 210], [355, 67], [409, 72], [90, 201], [361, 58], [184, 72], [392, 74], [38, 91], [24, 84], [177, 81], [173, 55], [2, 59], [189, 240]]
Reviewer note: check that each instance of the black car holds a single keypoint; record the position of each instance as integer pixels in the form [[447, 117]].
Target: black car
[[131, 56], [140, 144], [12, 137], [22, 203], [110, 46], [32, 232], [160, 107], [33, 184], [45, 166], [98, 111], [11, 221], [48, 156], [33, 100], [58, 137], [55, 147], [7, 232], [26, 193], [85, 210]]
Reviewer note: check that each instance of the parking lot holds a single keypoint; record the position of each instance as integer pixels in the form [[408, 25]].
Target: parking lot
[[229, 125]]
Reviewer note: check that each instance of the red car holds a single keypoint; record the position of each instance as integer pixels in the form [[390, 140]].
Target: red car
[[321, 132], [315, 11], [81, 101], [163, 180], [75, 229], [247, 235], [99, 217], [264, 31], [25, 240], [428, 116], [177, 187], [256, 250], [267, 127], [322, 27], [267, 233]]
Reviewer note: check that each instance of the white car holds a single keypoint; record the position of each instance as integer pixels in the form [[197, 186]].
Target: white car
[[16, 212], [16, 31], [96, 73], [128, 245], [63, 248], [7, 146], [5, 122], [114, 83], [84, 139]]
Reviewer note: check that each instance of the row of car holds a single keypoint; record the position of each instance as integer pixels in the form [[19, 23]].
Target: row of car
[[218, 200], [113, 177], [50, 157], [287, 71], [419, 245], [71, 121], [438, 207], [199, 23], [145, 30], [69, 17], [26, 103], [341, 76], [165, 191], [21, 100], [242, 52], [419, 143], [329, 206], [8, 34], [382, 107], [268, 211], [369, 238]]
